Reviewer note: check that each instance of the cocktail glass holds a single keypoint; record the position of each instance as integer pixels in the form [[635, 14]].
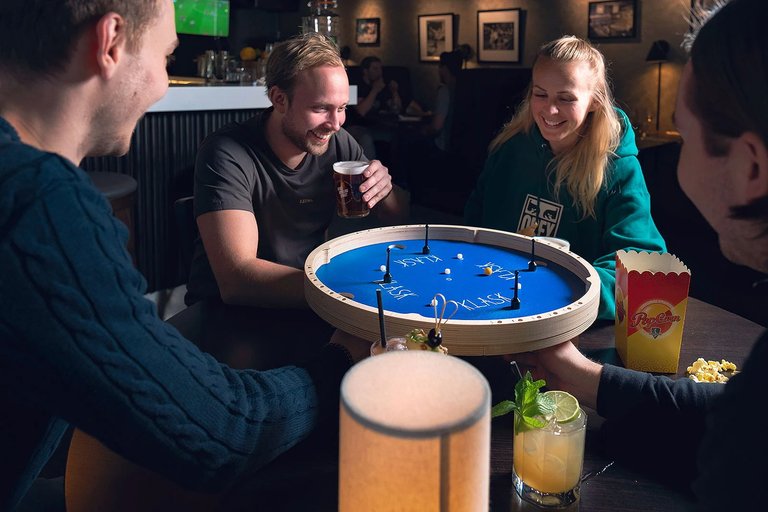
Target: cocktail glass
[[547, 462], [393, 344]]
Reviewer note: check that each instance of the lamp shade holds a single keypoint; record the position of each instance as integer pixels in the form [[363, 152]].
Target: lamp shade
[[414, 435], [659, 51]]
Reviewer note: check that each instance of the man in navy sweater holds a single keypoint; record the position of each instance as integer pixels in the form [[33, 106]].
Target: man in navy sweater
[[79, 344]]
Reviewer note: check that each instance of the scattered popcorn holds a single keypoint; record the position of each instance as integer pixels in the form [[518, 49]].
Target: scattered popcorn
[[710, 371], [383, 268], [447, 271], [460, 256]]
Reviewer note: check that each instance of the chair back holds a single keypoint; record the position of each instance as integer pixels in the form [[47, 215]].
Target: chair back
[[186, 232], [99, 479]]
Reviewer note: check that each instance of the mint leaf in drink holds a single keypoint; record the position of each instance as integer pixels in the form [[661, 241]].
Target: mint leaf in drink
[[532, 406], [502, 408]]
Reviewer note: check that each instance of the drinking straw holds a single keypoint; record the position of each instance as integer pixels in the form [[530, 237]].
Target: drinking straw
[[381, 320]]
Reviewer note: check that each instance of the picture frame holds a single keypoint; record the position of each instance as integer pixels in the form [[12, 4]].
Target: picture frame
[[368, 31], [435, 36], [612, 20], [498, 35]]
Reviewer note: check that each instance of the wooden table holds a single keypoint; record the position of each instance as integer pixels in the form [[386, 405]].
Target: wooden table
[[305, 478], [709, 332]]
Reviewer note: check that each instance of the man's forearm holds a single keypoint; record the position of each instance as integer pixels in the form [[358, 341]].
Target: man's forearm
[[263, 283]]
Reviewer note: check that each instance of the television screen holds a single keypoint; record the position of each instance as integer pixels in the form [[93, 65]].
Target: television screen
[[202, 17]]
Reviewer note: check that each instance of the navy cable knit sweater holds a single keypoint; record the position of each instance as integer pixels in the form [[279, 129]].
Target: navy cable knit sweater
[[80, 345]]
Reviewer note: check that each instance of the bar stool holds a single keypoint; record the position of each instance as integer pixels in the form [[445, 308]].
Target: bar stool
[[120, 190]]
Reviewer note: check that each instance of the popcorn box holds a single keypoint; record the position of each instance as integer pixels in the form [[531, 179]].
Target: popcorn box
[[651, 300]]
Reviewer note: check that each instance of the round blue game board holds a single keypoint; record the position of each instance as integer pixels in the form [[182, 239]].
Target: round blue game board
[[473, 267], [417, 277]]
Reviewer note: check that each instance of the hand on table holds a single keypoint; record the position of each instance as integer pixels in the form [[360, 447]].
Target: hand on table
[[564, 368], [377, 185]]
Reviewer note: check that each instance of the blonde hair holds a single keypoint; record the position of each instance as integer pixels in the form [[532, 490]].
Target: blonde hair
[[301, 52], [582, 168]]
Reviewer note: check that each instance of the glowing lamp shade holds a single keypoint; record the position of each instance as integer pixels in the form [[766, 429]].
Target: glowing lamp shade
[[414, 435]]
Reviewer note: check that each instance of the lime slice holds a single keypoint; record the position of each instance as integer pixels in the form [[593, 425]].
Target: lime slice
[[566, 405]]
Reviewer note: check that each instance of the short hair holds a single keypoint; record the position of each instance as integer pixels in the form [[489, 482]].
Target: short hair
[[453, 61], [729, 57], [730, 67], [368, 61], [37, 37], [296, 54]]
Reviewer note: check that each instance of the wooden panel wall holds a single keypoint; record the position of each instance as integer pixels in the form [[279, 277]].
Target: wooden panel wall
[[161, 159]]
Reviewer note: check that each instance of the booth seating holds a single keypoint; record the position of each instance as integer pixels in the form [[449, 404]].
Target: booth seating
[[485, 98], [120, 190]]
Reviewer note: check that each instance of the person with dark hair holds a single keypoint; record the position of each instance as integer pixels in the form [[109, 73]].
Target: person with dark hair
[[422, 150], [79, 344], [346, 56], [377, 100], [442, 113], [374, 93], [705, 437]]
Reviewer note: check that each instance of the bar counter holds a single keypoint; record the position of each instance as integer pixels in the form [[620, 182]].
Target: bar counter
[[192, 98]]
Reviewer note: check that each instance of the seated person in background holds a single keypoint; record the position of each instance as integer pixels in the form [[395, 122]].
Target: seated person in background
[[566, 166], [264, 193], [79, 344], [375, 97], [442, 113], [700, 436], [346, 56], [429, 147]]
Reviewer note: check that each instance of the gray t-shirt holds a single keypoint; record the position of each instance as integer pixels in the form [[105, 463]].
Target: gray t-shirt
[[236, 170]]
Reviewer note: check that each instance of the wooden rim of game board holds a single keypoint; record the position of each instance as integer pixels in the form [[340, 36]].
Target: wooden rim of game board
[[463, 337]]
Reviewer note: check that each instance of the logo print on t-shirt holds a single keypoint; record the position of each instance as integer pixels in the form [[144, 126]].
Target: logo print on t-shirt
[[546, 213]]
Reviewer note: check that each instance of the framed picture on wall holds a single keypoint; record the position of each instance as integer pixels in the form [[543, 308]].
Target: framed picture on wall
[[498, 35], [614, 19], [435, 36], [367, 31]]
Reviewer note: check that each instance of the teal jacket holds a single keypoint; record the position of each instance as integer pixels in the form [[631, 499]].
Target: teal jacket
[[515, 190]]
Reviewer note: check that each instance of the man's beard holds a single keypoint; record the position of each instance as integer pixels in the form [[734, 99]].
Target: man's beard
[[300, 140]]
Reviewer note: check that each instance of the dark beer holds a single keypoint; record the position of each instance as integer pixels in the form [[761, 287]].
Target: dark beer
[[347, 178]]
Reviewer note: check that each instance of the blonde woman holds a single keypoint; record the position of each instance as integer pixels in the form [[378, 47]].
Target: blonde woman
[[566, 166]]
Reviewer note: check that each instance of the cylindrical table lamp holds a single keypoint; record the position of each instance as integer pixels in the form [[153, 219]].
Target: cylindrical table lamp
[[414, 435]]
